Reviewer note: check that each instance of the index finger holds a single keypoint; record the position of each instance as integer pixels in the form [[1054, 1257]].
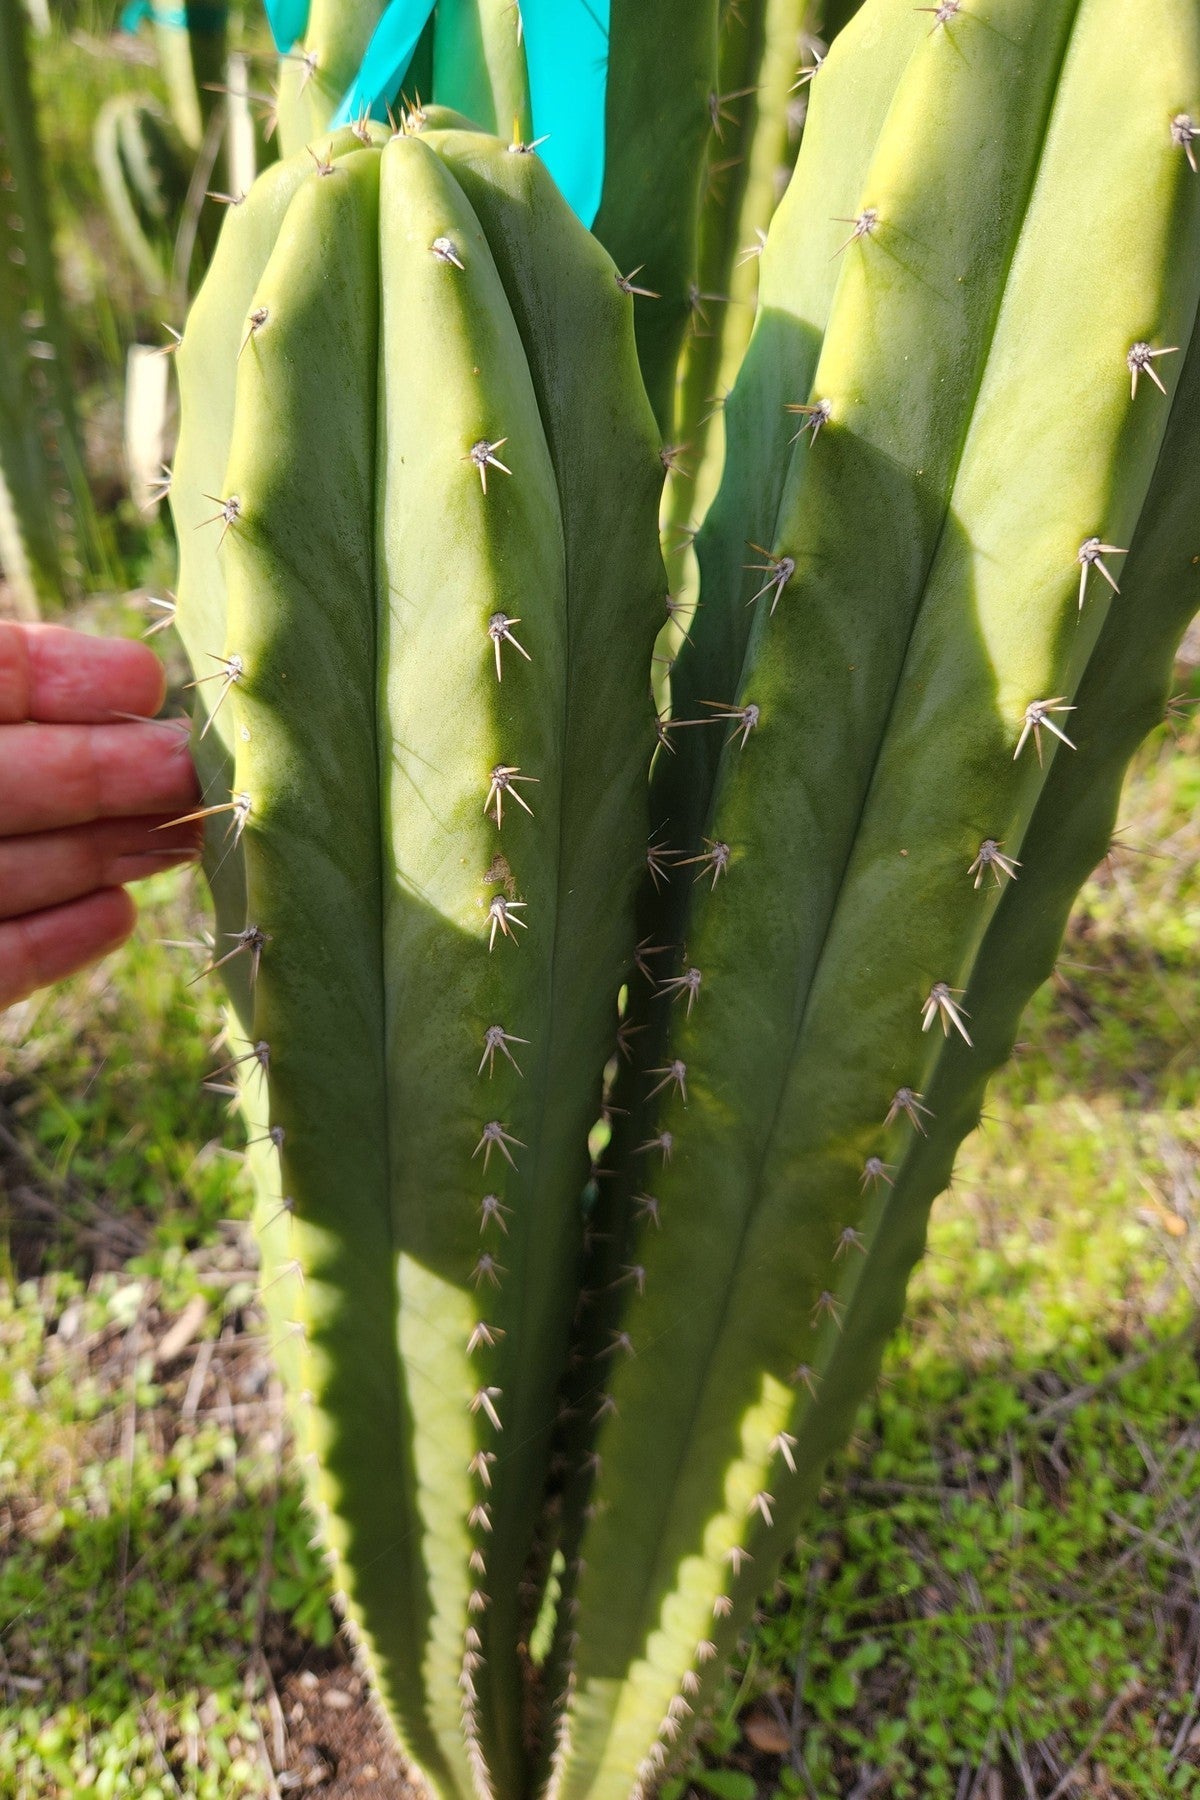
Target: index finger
[[57, 676]]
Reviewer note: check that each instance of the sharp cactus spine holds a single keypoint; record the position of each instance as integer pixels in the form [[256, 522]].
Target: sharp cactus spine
[[416, 495]]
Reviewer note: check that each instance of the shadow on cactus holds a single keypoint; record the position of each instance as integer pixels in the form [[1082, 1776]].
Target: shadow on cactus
[[563, 1419]]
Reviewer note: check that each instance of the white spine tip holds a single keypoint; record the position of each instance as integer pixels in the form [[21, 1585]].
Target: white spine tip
[[1039, 715], [1140, 361], [943, 1004]]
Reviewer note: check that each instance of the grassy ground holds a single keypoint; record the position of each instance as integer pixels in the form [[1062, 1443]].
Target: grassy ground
[[1000, 1596]]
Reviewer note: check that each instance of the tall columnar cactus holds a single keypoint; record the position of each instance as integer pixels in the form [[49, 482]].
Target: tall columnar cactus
[[963, 424], [47, 528], [953, 550], [411, 419]]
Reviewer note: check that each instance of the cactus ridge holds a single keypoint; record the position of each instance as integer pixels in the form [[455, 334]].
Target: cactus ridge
[[418, 1273], [983, 620]]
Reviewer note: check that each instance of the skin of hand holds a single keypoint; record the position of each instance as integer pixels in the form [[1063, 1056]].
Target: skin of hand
[[83, 791]]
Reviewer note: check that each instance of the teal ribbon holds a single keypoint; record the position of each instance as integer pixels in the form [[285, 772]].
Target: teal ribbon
[[183, 18], [288, 20], [566, 50], [384, 66]]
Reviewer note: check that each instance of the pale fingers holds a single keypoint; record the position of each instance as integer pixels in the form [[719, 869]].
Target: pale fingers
[[53, 776], [59, 676], [46, 946], [52, 867]]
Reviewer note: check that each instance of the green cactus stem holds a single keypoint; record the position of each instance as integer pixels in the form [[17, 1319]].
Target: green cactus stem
[[318, 70], [755, 136], [425, 724], [662, 88], [469, 58], [921, 637], [479, 66]]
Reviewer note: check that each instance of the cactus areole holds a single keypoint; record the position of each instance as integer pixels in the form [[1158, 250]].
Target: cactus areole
[[600, 1069]]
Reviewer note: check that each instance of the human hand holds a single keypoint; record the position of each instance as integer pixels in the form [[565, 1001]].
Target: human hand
[[81, 794]]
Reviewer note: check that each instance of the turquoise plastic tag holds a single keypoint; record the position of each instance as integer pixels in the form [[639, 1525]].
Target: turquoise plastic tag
[[288, 20], [184, 18], [566, 49], [386, 61]]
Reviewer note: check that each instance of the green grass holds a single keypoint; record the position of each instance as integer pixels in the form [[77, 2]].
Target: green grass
[[1004, 1575]]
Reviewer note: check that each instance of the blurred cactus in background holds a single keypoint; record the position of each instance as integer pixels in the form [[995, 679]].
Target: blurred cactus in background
[[166, 180], [49, 537]]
